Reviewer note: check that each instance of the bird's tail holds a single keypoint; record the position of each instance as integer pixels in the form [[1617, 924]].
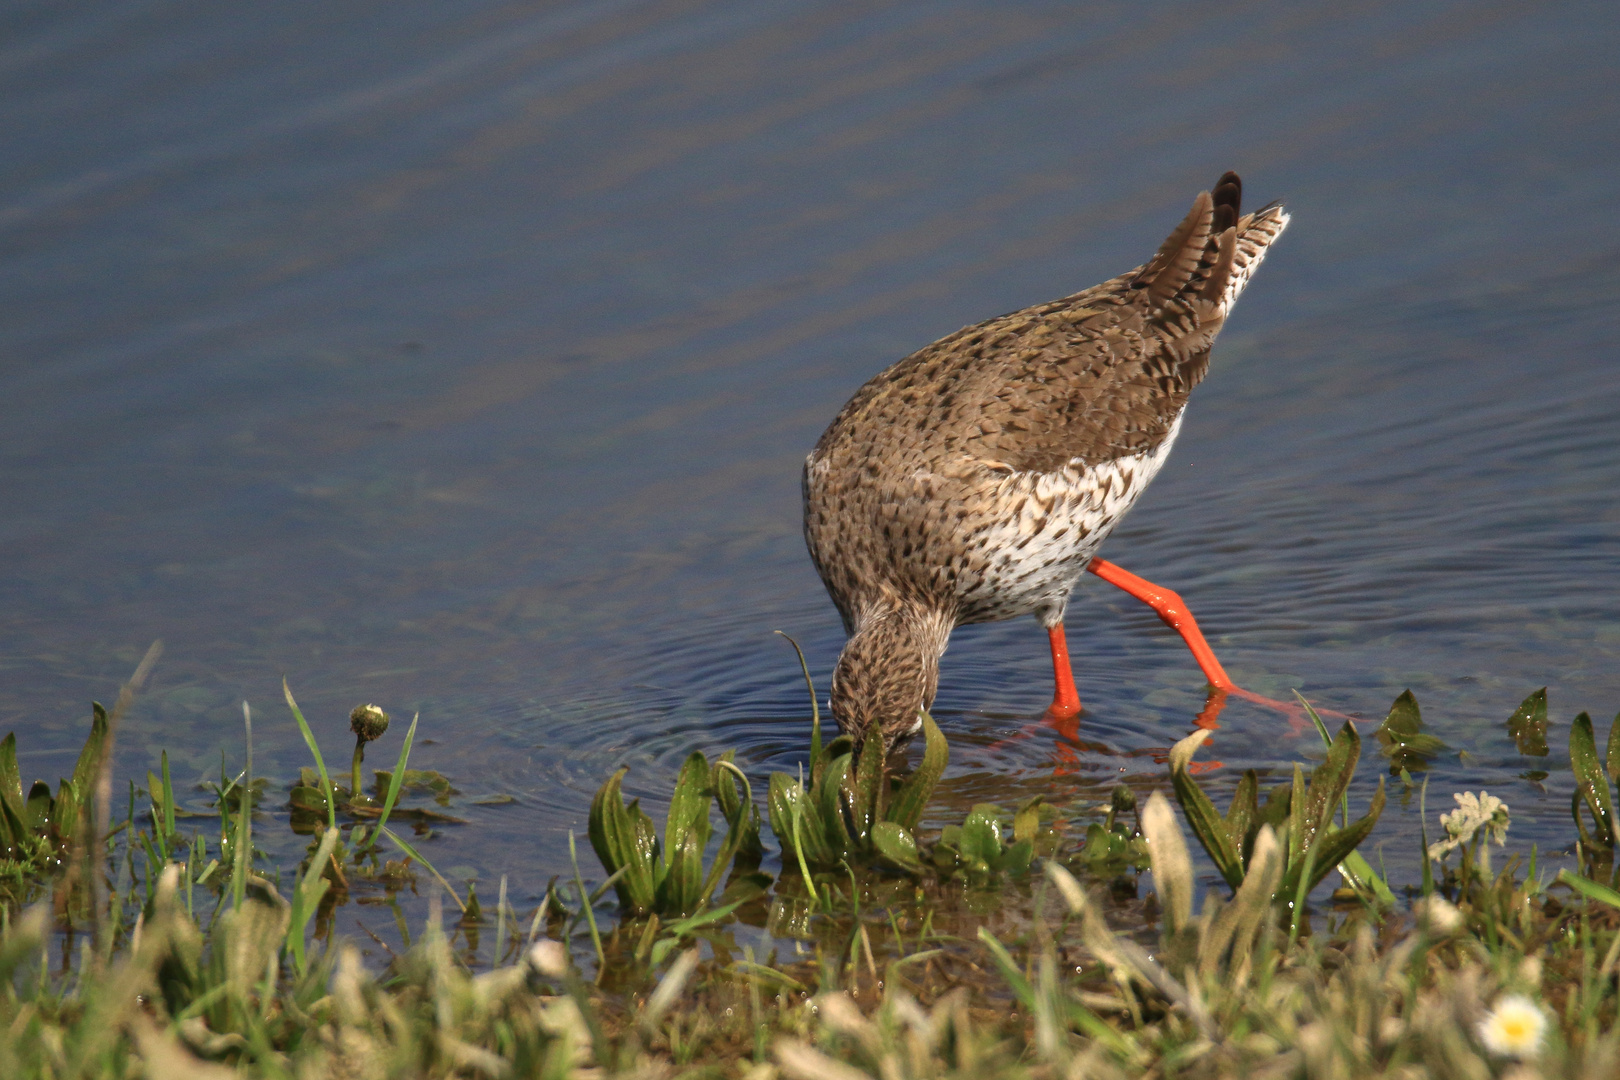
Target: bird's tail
[[1205, 264]]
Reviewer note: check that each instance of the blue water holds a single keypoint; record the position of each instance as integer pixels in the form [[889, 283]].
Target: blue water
[[462, 357]]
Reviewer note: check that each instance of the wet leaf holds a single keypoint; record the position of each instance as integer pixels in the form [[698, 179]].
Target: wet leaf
[[1528, 725], [87, 770], [1016, 858], [981, 834], [865, 794], [1329, 782], [688, 820], [419, 780], [1027, 822], [1207, 823], [830, 805], [613, 835], [1611, 755], [38, 807], [907, 808], [1338, 845], [1403, 739], [11, 793], [896, 846], [1591, 783]]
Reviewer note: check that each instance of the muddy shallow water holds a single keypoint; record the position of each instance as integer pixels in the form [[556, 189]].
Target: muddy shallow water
[[462, 358]]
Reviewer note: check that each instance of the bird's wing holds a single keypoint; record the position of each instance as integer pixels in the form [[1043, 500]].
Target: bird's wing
[[1105, 373]]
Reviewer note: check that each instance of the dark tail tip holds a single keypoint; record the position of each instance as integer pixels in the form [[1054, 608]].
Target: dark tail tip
[[1228, 198]]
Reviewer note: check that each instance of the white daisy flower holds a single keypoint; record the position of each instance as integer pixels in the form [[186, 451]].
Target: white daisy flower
[[1514, 1028]]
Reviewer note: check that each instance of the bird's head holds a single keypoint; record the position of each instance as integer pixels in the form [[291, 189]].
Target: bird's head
[[888, 672]]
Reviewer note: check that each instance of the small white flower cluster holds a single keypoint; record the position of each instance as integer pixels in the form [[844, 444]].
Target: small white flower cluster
[[1473, 813]]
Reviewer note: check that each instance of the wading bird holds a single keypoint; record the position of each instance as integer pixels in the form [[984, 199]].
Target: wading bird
[[975, 479]]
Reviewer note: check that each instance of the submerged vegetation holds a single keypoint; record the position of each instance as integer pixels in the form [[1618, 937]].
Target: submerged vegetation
[[181, 956]]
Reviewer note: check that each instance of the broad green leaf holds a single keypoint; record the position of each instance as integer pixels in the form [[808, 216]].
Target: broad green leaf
[[1611, 753], [1591, 783], [1278, 808], [1296, 818], [1403, 739], [837, 748], [1337, 846], [644, 842], [1242, 817], [742, 820], [865, 793], [688, 820], [67, 810], [781, 796], [37, 810], [1329, 782], [1027, 822], [612, 832], [981, 834], [1016, 858], [787, 797], [1209, 827], [1528, 725], [11, 792], [906, 810], [829, 803], [683, 879], [87, 770], [896, 846], [10, 779], [1360, 875]]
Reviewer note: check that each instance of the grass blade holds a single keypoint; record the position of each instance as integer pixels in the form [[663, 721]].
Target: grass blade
[[413, 853], [815, 710], [315, 750], [1008, 968], [394, 782], [306, 897], [1590, 889]]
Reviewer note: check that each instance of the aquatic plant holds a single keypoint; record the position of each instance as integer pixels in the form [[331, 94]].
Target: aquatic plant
[[1112, 846], [38, 829], [847, 808], [1300, 814], [669, 878], [978, 851], [1234, 990], [1592, 789]]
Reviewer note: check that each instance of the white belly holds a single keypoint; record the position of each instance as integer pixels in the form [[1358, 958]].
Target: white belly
[[1031, 560]]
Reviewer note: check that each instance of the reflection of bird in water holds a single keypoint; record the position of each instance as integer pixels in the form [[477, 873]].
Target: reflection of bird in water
[[975, 479]]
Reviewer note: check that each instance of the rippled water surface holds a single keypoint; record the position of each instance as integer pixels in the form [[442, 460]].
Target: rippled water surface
[[462, 357]]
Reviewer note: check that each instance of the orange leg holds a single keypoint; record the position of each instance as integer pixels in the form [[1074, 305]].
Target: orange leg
[[1065, 698], [1173, 610]]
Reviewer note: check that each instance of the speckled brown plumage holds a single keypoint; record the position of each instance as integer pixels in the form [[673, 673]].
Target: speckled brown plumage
[[974, 480]]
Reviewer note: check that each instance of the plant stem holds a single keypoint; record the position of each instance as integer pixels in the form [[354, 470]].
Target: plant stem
[[354, 768]]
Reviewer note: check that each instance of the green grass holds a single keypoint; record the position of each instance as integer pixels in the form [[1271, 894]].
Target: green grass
[[986, 951]]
